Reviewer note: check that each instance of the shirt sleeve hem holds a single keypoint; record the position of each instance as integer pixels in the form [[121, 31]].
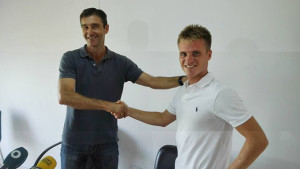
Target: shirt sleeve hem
[[242, 121]]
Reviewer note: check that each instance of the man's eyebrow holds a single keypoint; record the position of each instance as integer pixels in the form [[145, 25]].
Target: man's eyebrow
[[93, 24]]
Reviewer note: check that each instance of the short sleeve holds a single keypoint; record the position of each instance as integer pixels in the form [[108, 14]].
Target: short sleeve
[[171, 107], [175, 101], [132, 71], [67, 68], [230, 107]]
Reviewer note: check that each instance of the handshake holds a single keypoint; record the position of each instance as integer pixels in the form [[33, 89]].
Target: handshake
[[119, 109]]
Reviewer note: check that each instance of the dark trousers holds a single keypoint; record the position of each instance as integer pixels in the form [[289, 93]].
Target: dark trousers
[[85, 156]]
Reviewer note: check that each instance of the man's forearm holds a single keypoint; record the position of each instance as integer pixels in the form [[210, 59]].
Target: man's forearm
[[251, 149], [78, 101], [159, 82], [152, 118], [166, 82]]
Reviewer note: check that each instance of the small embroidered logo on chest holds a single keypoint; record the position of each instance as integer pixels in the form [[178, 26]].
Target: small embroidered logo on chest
[[196, 109]]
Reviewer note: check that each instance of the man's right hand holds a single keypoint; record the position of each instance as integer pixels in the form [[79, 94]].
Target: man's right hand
[[119, 109]]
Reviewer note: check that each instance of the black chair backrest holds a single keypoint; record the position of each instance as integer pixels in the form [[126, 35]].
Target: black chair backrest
[[165, 158]]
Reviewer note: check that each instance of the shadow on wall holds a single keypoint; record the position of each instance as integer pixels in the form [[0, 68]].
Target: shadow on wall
[[138, 35], [21, 128], [129, 152]]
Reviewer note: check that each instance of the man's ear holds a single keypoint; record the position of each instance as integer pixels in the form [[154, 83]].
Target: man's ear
[[209, 54], [106, 28]]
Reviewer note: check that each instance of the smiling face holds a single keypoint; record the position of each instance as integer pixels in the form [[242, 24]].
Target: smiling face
[[194, 57], [93, 31]]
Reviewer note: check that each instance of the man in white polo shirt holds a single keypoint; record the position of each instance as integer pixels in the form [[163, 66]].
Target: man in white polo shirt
[[206, 111]]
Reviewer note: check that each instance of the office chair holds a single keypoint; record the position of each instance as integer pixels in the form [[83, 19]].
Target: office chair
[[0, 140], [165, 158]]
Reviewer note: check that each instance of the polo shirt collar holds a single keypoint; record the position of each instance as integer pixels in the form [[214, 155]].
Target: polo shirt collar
[[204, 81], [83, 53]]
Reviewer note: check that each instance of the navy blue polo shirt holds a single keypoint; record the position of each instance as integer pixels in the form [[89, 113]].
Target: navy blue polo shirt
[[104, 81]]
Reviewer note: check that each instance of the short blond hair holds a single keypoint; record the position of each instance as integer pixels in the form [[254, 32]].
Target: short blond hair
[[194, 32]]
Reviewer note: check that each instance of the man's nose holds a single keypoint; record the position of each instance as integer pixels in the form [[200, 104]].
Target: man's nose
[[88, 31], [189, 58]]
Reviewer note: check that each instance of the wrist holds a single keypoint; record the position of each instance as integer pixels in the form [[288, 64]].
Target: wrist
[[107, 106], [129, 110], [180, 82]]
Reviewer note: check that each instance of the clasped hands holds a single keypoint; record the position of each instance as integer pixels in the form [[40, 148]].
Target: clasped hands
[[119, 109]]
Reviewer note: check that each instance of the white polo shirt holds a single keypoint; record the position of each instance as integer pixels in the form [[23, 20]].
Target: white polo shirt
[[206, 113]]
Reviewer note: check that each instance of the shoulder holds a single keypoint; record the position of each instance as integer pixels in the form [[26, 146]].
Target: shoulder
[[223, 94], [79, 51], [114, 55], [73, 54], [218, 85], [227, 98], [215, 87]]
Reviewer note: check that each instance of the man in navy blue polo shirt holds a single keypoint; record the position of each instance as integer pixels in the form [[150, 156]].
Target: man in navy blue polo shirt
[[91, 80]]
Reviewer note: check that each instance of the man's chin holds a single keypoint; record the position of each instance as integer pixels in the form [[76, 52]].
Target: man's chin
[[91, 45]]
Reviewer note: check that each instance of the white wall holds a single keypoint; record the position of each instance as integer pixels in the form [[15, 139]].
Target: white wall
[[255, 50]]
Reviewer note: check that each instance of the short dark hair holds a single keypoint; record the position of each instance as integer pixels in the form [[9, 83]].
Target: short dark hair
[[194, 32], [93, 11]]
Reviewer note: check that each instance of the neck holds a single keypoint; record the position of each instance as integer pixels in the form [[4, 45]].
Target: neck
[[193, 81], [97, 53]]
